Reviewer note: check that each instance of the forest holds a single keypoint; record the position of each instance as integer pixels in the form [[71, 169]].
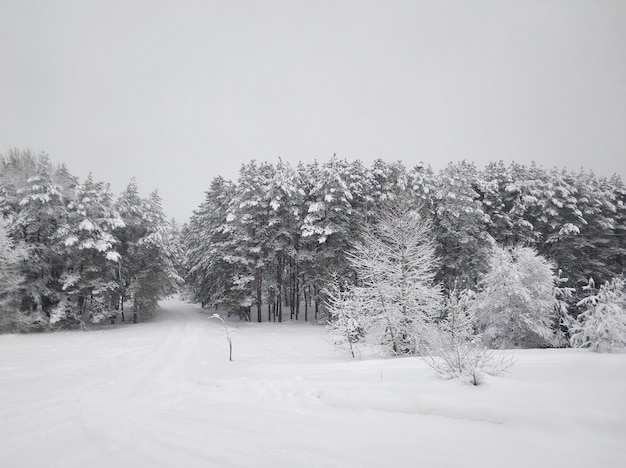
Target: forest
[[72, 254], [282, 242]]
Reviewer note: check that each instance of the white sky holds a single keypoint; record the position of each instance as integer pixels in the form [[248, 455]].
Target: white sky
[[178, 92]]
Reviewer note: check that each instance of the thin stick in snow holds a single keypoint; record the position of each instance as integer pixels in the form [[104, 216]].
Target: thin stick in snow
[[227, 332]]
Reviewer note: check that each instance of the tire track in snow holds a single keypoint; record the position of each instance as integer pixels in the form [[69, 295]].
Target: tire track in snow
[[100, 393]]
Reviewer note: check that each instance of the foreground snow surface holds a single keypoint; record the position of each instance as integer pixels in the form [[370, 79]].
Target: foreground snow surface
[[164, 394]]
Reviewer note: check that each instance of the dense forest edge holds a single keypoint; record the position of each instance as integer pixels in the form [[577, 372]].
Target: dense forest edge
[[279, 243], [72, 254]]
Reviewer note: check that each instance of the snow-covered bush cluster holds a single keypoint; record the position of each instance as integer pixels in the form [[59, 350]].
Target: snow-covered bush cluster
[[455, 349], [602, 325], [70, 253]]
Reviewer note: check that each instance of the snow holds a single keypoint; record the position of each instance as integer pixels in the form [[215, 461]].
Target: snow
[[86, 225], [164, 394]]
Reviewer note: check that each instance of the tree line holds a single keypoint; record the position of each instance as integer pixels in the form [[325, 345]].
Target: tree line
[[71, 253], [271, 244]]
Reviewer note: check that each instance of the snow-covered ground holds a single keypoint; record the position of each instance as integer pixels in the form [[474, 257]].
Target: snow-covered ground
[[164, 394]]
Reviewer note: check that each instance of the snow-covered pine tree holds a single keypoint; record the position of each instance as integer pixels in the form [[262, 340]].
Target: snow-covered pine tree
[[35, 195], [395, 291], [42, 211], [207, 274], [460, 226], [175, 241], [282, 283], [601, 247], [308, 248], [421, 183], [329, 227], [11, 257], [156, 275], [602, 325], [131, 208], [501, 193], [89, 281], [247, 226], [517, 304]]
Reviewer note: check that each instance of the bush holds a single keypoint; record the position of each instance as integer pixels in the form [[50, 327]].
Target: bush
[[456, 351], [602, 326]]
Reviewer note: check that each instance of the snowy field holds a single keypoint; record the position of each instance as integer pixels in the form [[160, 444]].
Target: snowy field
[[163, 394]]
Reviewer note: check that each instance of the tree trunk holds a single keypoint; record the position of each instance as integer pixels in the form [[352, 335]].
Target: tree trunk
[[297, 295], [259, 291], [306, 304], [279, 286]]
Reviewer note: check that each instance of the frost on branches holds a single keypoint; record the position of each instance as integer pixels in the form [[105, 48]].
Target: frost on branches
[[394, 300], [456, 351], [348, 323], [516, 307], [602, 326]]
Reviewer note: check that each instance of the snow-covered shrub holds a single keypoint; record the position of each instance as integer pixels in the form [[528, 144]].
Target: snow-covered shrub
[[602, 326], [65, 315], [517, 304], [456, 351], [347, 321]]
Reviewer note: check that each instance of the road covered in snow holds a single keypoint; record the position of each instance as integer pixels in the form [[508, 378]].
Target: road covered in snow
[[163, 394]]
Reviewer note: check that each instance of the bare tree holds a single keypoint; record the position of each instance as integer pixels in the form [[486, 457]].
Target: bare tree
[[394, 299]]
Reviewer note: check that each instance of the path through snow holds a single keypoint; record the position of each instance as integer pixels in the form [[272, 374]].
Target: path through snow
[[164, 394]]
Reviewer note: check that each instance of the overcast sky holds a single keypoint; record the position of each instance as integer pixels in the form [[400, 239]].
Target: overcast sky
[[178, 92]]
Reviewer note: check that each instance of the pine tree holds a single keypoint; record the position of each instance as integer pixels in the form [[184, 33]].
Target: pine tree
[[460, 226], [206, 239], [156, 276], [89, 281], [131, 208], [42, 213], [248, 227], [34, 196], [11, 257], [329, 226], [282, 233], [517, 303]]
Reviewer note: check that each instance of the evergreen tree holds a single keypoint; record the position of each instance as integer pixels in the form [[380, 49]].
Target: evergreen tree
[[42, 213], [131, 208], [517, 304], [460, 226], [248, 225], [11, 281], [209, 271], [89, 280], [156, 276]]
